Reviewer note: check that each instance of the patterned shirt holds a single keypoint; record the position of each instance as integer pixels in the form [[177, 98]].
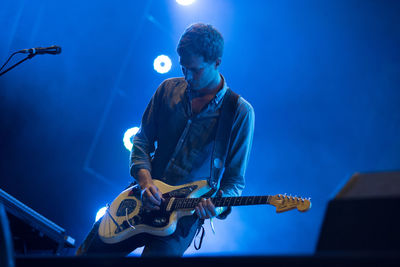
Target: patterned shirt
[[176, 145]]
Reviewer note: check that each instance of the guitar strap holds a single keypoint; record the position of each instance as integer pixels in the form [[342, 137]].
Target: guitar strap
[[222, 138], [220, 152]]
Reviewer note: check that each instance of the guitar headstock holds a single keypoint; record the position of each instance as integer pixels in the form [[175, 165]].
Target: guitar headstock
[[285, 203]]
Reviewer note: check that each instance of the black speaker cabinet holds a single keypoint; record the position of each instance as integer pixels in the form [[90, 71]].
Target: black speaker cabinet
[[32, 233], [364, 215]]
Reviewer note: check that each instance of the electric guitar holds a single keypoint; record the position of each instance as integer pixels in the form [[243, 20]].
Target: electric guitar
[[126, 217]]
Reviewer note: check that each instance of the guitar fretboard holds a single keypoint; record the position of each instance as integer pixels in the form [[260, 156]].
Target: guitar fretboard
[[187, 203]]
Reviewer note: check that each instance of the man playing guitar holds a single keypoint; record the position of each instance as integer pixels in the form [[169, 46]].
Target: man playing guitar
[[179, 142]]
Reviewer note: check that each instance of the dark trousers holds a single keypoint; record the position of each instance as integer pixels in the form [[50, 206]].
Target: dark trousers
[[154, 246]]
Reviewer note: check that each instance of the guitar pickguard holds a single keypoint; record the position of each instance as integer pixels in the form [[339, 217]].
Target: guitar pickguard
[[149, 218], [181, 192], [127, 206], [157, 219]]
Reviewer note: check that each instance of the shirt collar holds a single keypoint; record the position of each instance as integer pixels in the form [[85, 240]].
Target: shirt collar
[[220, 95]]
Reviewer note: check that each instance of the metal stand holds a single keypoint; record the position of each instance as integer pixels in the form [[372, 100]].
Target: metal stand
[[10, 68]]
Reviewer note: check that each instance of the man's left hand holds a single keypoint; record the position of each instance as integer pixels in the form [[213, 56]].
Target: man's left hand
[[205, 209]]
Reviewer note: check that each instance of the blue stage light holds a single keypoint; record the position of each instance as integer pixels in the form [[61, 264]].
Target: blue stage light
[[101, 213], [185, 2], [162, 64], [128, 136]]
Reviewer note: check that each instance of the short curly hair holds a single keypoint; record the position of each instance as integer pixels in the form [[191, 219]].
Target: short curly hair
[[201, 39]]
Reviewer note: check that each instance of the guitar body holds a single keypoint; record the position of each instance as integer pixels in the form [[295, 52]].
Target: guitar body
[[126, 216]]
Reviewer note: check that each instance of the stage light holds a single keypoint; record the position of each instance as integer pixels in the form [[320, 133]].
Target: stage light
[[128, 136], [185, 2], [101, 213], [162, 64]]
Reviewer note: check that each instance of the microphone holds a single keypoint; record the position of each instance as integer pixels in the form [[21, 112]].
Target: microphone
[[53, 50]]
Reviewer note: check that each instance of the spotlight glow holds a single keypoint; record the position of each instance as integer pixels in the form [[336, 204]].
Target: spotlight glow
[[128, 136], [162, 64], [101, 213], [185, 2]]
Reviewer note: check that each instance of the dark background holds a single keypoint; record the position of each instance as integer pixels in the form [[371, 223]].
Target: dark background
[[323, 78]]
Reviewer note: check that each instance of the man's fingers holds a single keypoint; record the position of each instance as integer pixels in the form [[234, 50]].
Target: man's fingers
[[151, 198], [211, 208], [149, 203], [205, 209], [209, 203], [201, 209], [155, 192], [203, 213]]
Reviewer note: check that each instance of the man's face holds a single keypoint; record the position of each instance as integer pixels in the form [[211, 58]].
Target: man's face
[[198, 73]]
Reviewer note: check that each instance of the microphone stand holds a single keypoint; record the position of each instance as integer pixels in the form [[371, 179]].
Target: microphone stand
[[16, 64]]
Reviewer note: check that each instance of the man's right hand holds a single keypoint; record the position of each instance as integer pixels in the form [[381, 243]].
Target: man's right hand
[[151, 195]]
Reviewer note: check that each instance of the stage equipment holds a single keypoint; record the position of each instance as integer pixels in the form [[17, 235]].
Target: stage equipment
[[6, 244], [128, 136], [31, 232], [100, 213], [162, 64], [53, 50], [185, 2], [363, 216]]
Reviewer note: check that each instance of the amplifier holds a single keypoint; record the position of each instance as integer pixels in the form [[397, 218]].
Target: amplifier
[[363, 216]]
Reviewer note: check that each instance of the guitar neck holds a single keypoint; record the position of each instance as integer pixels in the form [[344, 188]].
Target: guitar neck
[[188, 203]]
